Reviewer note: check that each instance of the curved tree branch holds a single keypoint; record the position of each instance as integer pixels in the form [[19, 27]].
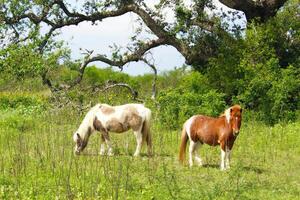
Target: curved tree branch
[[133, 92], [110, 84], [164, 37], [57, 15], [74, 18], [133, 57], [264, 9]]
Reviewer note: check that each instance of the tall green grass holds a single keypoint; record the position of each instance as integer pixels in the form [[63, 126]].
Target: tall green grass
[[37, 162]]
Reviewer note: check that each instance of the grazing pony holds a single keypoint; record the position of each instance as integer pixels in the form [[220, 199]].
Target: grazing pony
[[221, 131], [105, 118]]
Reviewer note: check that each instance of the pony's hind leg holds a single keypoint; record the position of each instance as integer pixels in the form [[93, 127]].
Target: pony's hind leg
[[139, 141], [197, 156], [191, 151], [149, 144]]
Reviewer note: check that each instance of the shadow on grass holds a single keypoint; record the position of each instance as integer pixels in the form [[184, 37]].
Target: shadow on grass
[[245, 168], [253, 169], [116, 155], [211, 166]]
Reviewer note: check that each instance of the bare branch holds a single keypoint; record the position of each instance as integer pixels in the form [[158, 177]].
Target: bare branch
[[133, 57], [113, 84], [204, 24], [154, 91], [133, 92]]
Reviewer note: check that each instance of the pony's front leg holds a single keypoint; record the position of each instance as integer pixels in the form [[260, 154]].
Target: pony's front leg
[[223, 156], [108, 143], [139, 141], [102, 145], [228, 154]]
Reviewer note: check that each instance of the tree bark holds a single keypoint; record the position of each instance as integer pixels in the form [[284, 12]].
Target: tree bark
[[260, 9]]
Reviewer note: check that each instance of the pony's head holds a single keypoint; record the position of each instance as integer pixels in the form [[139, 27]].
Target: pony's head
[[234, 118], [80, 143]]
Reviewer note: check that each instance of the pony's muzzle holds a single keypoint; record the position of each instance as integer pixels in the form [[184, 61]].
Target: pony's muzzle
[[76, 152], [236, 132]]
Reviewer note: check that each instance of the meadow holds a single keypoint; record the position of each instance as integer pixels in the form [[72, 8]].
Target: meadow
[[44, 92], [37, 162]]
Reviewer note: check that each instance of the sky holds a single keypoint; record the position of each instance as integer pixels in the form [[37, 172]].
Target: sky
[[118, 30]]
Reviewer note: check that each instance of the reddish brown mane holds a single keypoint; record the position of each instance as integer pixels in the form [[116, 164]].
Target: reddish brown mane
[[212, 131]]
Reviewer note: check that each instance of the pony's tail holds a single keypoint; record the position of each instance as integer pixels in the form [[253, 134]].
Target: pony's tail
[[146, 131], [184, 139]]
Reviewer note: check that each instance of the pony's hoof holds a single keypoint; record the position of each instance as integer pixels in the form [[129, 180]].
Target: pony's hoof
[[136, 154], [110, 153], [199, 162], [223, 169]]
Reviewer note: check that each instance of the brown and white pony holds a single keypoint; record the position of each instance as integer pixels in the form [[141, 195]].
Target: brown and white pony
[[105, 118], [200, 129]]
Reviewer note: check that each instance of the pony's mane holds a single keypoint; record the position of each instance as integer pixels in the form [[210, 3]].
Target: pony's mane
[[227, 112], [86, 123]]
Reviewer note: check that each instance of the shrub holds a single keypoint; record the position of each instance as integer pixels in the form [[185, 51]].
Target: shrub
[[176, 106], [192, 96], [24, 103]]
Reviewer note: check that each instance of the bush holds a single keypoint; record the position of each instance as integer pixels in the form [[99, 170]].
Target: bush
[[176, 107], [25, 104], [191, 98]]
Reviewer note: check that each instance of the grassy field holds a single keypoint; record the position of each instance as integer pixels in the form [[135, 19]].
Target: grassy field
[[37, 162]]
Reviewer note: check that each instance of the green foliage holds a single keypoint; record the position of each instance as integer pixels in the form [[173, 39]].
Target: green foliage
[[18, 120], [24, 61], [94, 80], [223, 71], [98, 76], [183, 15], [23, 103], [270, 88], [261, 71], [191, 98], [21, 61], [13, 84]]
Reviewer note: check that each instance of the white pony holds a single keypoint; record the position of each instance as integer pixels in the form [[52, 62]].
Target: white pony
[[105, 118]]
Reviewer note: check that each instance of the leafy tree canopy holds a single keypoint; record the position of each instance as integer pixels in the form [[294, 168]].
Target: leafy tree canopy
[[196, 34]]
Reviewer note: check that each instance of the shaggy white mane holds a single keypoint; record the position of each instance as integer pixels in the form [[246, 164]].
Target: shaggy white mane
[[227, 114]]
